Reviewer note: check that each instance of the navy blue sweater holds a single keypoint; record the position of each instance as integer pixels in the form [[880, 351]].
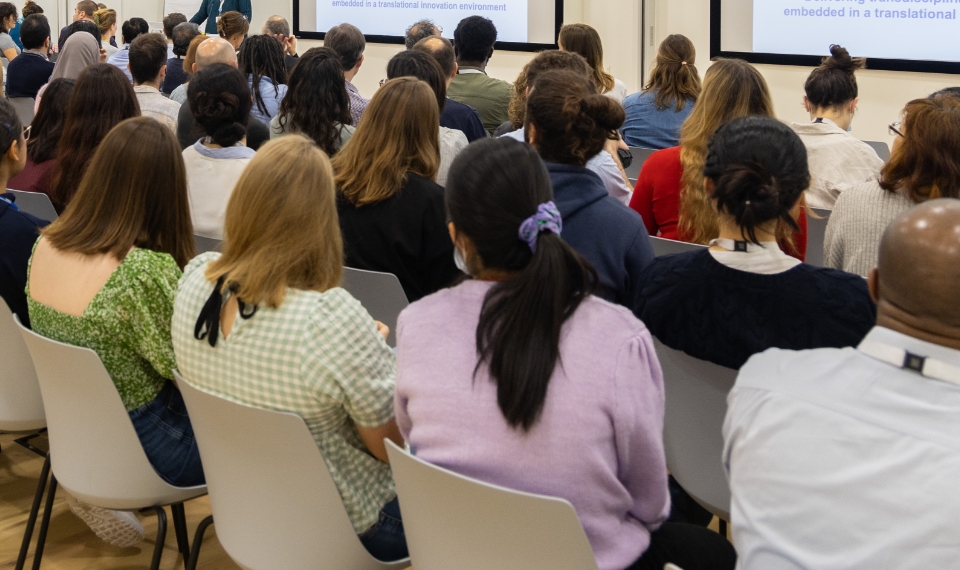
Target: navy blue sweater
[[608, 234], [27, 74], [694, 303], [18, 232]]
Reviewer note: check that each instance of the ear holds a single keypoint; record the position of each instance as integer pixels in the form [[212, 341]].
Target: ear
[[194, 68], [708, 186], [873, 285], [359, 63], [453, 233], [806, 104], [13, 152], [456, 69], [490, 53], [530, 132], [853, 105]]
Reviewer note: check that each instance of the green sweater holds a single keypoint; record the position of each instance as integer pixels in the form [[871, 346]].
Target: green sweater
[[489, 96]]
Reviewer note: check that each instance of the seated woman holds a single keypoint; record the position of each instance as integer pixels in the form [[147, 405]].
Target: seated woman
[[654, 115], [103, 276], [567, 122], [391, 211], [838, 160], [280, 270], [45, 133], [261, 61], [585, 41], [481, 389], [233, 27], [220, 101], [745, 295], [920, 169]]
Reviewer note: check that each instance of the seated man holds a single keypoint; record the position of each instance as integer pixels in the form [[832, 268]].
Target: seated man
[[171, 21], [849, 458], [31, 70], [348, 41], [455, 115], [129, 32], [183, 34], [473, 41], [148, 65], [420, 31], [279, 27]]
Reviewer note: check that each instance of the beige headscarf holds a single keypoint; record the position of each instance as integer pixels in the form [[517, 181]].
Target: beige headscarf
[[80, 51]]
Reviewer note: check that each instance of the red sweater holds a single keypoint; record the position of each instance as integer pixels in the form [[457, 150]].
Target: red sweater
[[657, 199]]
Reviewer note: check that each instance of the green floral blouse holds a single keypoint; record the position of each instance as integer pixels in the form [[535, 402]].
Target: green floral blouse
[[127, 324]]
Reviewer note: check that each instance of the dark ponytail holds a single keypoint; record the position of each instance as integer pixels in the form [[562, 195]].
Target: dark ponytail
[[833, 83], [758, 166], [220, 101], [494, 185]]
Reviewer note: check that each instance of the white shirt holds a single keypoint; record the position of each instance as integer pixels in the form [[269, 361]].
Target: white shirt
[[837, 460], [154, 105], [619, 91], [838, 161], [764, 259], [212, 174], [452, 142]]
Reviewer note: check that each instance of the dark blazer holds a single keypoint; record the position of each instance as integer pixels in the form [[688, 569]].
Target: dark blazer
[[210, 9]]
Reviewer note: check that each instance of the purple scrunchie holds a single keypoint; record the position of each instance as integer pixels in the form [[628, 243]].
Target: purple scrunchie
[[547, 218]]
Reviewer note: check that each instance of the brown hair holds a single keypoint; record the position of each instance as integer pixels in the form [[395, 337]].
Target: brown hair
[[133, 195], [170, 22], [232, 24], [348, 41], [105, 19], [400, 133], [584, 40], [191, 57], [926, 165], [674, 77], [31, 7], [544, 61], [833, 83], [281, 228], [732, 88]]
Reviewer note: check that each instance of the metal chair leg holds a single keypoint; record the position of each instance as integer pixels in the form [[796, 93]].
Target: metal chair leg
[[161, 535], [197, 543], [180, 528], [34, 511], [45, 522], [25, 442]]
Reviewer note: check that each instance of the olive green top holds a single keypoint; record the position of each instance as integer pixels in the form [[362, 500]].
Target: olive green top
[[489, 96]]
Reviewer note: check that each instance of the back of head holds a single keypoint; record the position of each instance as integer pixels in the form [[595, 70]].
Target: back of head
[[317, 104], [954, 91], [571, 121], [276, 26], [262, 57], [191, 56], [232, 24], [834, 84], [183, 34], [497, 190], [34, 31], [171, 21], [474, 38], [926, 164], [584, 40], [220, 101], [76, 54], [105, 19], [441, 50], [133, 195], [87, 7], [148, 55], [6, 10], [11, 130], [133, 28], [47, 126], [348, 41], [399, 134], [420, 65], [281, 228], [419, 31], [31, 7], [211, 50], [85, 26], [674, 77], [758, 166], [544, 61]]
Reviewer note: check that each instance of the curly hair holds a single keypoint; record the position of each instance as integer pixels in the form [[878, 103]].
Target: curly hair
[[317, 104]]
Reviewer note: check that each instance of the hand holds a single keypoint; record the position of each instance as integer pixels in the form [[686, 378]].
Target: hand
[[383, 329], [611, 147], [289, 43], [55, 49], [103, 55]]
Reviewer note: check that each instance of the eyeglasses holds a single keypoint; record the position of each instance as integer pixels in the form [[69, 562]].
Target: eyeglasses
[[26, 133], [383, 81], [894, 129]]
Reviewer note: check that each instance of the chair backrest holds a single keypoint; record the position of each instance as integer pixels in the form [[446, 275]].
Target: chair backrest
[[816, 234], [883, 150], [273, 500], [205, 244], [696, 404], [21, 407], [35, 204], [640, 155], [663, 246], [95, 452], [24, 107], [380, 294], [452, 521]]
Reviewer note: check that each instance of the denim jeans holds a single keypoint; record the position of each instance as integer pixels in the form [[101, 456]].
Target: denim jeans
[[167, 438], [385, 540]]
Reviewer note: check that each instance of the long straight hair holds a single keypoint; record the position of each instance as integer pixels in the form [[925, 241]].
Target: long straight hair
[[494, 185], [584, 40], [47, 127]]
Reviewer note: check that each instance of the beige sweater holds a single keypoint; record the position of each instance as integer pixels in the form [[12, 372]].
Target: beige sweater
[[838, 161]]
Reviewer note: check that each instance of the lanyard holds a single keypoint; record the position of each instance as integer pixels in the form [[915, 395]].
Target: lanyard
[[9, 201], [736, 245], [908, 361]]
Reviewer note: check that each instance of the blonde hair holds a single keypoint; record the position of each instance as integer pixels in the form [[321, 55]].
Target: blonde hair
[[732, 88], [399, 133], [584, 40], [281, 229], [105, 19]]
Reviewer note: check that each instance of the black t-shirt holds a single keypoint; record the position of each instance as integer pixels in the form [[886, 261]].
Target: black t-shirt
[[464, 118], [18, 232]]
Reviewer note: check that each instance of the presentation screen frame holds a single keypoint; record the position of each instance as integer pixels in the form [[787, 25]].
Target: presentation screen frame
[[372, 39], [912, 65]]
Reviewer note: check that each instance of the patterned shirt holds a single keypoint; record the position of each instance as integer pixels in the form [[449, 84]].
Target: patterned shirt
[[318, 355], [127, 324], [357, 103]]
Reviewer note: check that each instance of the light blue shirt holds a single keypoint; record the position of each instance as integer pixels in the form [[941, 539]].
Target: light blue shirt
[[271, 99], [120, 59], [647, 127]]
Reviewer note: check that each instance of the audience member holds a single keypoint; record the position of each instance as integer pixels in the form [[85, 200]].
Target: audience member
[[27, 74], [261, 61], [280, 270], [317, 104], [848, 458], [106, 21], [86, 26], [923, 165], [130, 30], [473, 42], [29, 7], [220, 101], [75, 57], [45, 132], [212, 11], [101, 99], [455, 114], [744, 294], [279, 28], [8, 21], [189, 64], [18, 230], [176, 75], [171, 21], [584, 40], [348, 41], [84, 10], [838, 160], [103, 277], [420, 65], [233, 27], [419, 31], [390, 209], [148, 64], [532, 366], [654, 115]]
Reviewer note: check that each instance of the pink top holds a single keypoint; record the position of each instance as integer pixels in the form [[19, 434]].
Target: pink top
[[598, 442]]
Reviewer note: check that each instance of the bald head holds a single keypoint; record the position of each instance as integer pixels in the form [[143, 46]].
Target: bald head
[[215, 50], [441, 50], [276, 26], [917, 280]]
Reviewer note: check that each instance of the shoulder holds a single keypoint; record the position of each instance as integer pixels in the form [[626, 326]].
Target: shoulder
[[149, 261], [421, 184], [843, 287], [665, 157], [150, 270], [333, 311], [667, 271], [453, 137], [854, 199], [199, 263]]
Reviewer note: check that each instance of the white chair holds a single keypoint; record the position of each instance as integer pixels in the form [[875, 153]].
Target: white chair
[[274, 501], [205, 244], [35, 204], [24, 108], [380, 294], [454, 522], [816, 234], [95, 452], [21, 407], [640, 155], [664, 246], [696, 403], [882, 149]]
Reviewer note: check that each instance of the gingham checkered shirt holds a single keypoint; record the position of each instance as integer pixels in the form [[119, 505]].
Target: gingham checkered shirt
[[358, 104]]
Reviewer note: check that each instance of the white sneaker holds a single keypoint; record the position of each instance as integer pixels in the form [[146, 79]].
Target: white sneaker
[[118, 528]]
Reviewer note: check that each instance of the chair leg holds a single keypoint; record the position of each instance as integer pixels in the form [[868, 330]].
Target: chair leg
[[180, 528], [45, 522], [34, 511], [197, 542], [161, 535], [25, 442]]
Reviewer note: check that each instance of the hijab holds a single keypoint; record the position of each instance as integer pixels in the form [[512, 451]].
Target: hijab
[[80, 51]]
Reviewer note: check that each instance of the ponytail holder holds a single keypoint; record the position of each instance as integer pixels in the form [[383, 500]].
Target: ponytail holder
[[683, 63], [547, 218]]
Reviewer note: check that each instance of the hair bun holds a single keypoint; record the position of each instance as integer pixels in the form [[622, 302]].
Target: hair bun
[[604, 111], [840, 59], [748, 192], [216, 106]]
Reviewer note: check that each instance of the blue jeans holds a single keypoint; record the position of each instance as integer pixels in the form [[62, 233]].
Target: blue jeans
[[385, 540], [167, 438]]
